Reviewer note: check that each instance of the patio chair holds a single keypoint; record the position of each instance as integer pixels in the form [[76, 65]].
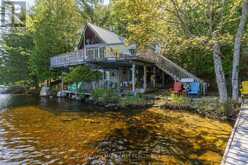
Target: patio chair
[[244, 89], [178, 88], [195, 89]]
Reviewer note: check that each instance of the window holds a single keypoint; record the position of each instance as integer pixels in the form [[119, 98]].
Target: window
[[132, 51]]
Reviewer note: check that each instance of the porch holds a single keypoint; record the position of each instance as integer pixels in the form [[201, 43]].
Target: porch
[[128, 78]]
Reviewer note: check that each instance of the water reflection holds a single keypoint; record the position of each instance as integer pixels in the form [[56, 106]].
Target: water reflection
[[50, 131], [8, 101]]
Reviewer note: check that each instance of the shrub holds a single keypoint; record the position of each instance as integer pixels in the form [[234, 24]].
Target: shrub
[[133, 100], [180, 99], [105, 95], [82, 73]]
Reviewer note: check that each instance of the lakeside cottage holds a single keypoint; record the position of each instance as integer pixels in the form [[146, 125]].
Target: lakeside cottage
[[124, 68]]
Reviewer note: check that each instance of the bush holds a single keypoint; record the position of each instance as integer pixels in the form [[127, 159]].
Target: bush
[[180, 99], [105, 95], [133, 100]]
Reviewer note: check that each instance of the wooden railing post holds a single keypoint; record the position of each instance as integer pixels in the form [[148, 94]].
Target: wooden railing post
[[145, 78], [133, 79]]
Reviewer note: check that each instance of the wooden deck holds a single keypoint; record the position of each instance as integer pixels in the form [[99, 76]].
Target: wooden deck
[[236, 152]]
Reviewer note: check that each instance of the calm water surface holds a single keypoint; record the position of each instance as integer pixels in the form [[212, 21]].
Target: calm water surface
[[56, 131]]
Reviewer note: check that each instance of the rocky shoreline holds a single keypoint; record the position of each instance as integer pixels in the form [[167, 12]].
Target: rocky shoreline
[[19, 90], [210, 108], [116, 106], [206, 107]]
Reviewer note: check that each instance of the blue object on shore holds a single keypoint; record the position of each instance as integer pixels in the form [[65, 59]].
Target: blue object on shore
[[73, 87], [195, 89]]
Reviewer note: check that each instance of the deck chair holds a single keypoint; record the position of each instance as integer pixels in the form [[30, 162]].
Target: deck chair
[[244, 88], [72, 87], [194, 89], [177, 88]]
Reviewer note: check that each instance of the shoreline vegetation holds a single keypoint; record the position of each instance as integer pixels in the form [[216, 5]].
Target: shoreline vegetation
[[207, 106]]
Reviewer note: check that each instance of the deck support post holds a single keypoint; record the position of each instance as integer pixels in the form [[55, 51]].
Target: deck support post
[[62, 81], [163, 80], [133, 79], [98, 53], [154, 77], [119, 79], [145, 78]]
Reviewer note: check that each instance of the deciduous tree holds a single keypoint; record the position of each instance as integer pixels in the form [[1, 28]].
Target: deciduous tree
[[236, 53]]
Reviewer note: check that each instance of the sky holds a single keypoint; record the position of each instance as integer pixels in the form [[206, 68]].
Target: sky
[[30, 3]]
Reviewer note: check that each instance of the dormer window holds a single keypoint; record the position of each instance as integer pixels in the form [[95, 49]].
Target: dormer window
[[132, 51], [157, 48]]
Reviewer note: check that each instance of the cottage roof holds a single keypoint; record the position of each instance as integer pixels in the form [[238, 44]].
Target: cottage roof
[[107, 36]]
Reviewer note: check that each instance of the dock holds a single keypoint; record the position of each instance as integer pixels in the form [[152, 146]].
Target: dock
[[236, 152]]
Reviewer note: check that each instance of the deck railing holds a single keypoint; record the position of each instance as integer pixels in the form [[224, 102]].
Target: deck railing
[[90, 54], [67, 59]]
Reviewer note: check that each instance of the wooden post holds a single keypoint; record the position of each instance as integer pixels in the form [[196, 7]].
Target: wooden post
[[62, 81], [84, 51], [98, 53], [133, 78], [154, 77], [145, 78], [163, 79], [119, 79]]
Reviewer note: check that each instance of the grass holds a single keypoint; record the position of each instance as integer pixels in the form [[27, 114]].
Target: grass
[[132, 100]]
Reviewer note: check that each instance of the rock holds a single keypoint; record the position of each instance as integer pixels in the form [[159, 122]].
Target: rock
[[104, 144], [120, 142], [95, 161], [116, 158], [121, 148]]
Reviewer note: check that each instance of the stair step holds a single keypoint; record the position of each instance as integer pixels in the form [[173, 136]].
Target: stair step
[[173, 69]]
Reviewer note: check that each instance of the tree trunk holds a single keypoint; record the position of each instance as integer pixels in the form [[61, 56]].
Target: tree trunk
[[219, 72], [236, 53]]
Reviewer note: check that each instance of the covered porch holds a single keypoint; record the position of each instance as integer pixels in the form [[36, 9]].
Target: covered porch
[[132, 77]]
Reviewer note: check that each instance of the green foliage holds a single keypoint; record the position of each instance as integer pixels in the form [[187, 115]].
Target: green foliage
[[179, 99], [14, 62], [111, 96], [92, 11], [105, 95], [184, 30], [133, 100], [56, 25], [82, 73], [138, 20]]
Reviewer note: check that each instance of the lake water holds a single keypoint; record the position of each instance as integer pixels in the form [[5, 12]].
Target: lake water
[[56, 131]]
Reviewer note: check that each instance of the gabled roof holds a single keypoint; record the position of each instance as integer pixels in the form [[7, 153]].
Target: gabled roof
[[106, 36]]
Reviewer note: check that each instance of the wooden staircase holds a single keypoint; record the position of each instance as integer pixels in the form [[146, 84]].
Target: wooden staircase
[[170, 68]]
